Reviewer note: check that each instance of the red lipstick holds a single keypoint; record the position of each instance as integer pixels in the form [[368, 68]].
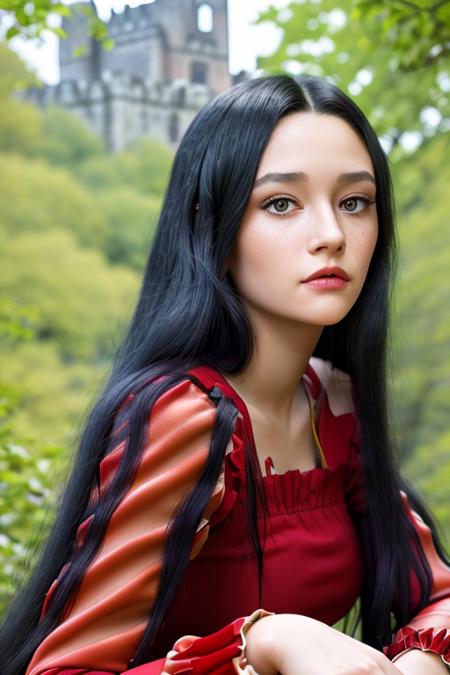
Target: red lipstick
[[329, 271], [328, 278]]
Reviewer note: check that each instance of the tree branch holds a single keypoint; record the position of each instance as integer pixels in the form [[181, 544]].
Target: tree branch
[[412, 5], [418, 10], [438, 4]]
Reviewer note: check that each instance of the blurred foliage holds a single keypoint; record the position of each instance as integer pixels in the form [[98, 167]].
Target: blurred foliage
[[16, 322], [72, 252], [144, 167], [124, 244], [66, 139], [31, 18], [418, 31], [36, 197], [422, 325], [68, 284], [423, 291], [20, 123], [28, 484], [352, 43], [24, 479], [14, 75], [20, 128]]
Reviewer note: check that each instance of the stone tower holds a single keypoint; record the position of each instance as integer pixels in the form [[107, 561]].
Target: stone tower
[[169, 58]]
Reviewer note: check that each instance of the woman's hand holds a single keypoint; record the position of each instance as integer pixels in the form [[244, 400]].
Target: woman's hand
[[292, 644], [416, 662]]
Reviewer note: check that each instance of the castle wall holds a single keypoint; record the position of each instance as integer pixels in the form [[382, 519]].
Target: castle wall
[[122, 110], [161, 71], [143, 58]]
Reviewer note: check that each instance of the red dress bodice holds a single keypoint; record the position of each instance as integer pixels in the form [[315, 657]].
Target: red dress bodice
[[312, 556]]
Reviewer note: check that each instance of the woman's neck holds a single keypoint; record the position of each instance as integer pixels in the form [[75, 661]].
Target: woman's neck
[[270, 383]]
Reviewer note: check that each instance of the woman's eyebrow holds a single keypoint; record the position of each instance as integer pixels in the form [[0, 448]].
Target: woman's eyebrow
[[293, 177]]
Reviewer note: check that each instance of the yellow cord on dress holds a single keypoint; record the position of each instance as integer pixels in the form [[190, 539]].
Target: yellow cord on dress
[[313, 427]]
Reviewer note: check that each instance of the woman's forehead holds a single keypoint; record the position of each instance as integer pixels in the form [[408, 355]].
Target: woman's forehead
[[308, 139]]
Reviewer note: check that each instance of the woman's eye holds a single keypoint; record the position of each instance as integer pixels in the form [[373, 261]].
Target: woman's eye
[[351, 203], [280, 205]]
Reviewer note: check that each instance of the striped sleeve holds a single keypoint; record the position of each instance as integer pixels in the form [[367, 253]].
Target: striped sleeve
[[100, 632], [111, 608]]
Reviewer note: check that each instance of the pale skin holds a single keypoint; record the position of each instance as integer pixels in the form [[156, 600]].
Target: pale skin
[[321, 216]]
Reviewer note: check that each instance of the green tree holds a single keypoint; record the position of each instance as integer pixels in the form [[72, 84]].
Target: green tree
[[332, 39], [78, 296], [24, 480], [66, 139], [131, 219], [36, 197], [417, 30], [14, 74], [31, 19], [422, 326], [20, 122], [144, 167]]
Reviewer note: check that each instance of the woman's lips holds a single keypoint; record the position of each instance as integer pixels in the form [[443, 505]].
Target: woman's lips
[[327, 283]]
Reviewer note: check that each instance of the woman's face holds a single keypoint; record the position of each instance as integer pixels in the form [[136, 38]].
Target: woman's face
[[322, 213]]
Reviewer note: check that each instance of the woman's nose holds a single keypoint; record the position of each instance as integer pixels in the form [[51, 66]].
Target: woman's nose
[[326, 231]]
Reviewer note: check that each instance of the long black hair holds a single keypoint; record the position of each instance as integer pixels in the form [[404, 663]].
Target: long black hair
[[188, 313]]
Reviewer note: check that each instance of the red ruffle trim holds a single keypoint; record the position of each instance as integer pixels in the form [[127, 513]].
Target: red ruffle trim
[[435, 640], [210, 654]]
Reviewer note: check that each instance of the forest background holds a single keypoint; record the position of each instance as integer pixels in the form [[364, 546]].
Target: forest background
[[76, 225]]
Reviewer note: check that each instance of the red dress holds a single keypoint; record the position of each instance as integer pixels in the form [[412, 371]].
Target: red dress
[[312, 557], [309, 528]]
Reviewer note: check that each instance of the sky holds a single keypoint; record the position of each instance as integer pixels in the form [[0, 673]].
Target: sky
[[245, 41]]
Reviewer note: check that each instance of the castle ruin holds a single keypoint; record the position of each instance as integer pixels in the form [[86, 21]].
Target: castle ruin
[[169, 58]]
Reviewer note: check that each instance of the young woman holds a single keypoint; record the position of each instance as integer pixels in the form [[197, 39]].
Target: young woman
[[234, 492]]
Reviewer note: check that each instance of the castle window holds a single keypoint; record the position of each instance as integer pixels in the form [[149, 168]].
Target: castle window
[[204, 18], [199, 72]]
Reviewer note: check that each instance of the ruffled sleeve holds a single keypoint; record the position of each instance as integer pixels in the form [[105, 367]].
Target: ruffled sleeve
[[101, 630], [221, 653], [429, 630]]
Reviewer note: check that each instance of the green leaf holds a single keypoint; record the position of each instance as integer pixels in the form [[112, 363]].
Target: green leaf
[[62, 10], [79, 51], [60, 32], [108, 43], [12, 32]]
